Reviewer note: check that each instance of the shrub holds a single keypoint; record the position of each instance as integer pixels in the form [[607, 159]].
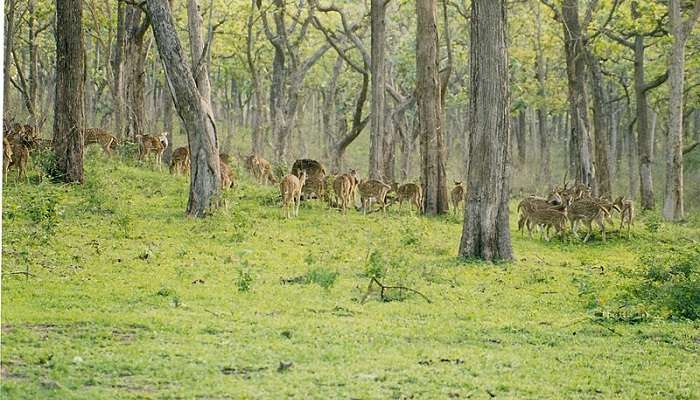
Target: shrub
[[667, 283], [244, 281], [42, 210], [323, 277]]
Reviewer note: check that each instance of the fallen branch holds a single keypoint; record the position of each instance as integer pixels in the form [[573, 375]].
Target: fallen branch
[[26, 273], [384, 287]]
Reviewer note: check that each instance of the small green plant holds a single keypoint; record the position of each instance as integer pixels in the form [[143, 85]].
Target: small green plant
[[376, 266], [244, 281], [323, 277], [653, 222], [42, 210], [124, 223], [45, 160]]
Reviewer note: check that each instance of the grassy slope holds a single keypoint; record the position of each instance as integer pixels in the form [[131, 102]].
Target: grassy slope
[[113, 310]]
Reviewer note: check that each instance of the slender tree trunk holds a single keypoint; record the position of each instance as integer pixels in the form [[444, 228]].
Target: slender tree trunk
[[378, 72], [118, 71], [545, 174], [167, 101], [601, 123], [486, 234], [632, 161], [10, 6], [194, 112], [136, 50], [258, 105], [433, 152], [33, 64], [521, 132], [69, 107], [680, 30], [200, 66]]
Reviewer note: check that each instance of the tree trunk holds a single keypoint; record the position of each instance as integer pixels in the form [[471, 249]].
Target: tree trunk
[[680, 30], [256, 134], [632, 162], [601, 123], [193, 110], [136, 50], [485, 234], [545, 174], [200, 66], [118, 71], [378, 72], [9, 45], [578, 104], [521, 133], [167, 101], [33, 64], [433, 177], [69, 106]]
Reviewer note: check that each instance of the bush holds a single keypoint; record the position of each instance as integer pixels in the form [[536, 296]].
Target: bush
[[323, 277], [668, 283], [42, 210]]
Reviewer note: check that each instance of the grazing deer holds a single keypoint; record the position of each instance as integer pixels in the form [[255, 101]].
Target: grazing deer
[[409, 192], [373, 189], [626, 209], [291, 192], [263, 171], [587, 211], [180, 161], [6, 156], [99, 136], [153, 145], [532, 203], [20, 157], [548, 218], [343, 187], [457, 196], [227, 175]]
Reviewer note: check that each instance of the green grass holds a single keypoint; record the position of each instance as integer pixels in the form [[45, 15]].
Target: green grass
[[128, 298]]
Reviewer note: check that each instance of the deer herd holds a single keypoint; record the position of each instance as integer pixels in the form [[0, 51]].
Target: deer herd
[[308, 180]]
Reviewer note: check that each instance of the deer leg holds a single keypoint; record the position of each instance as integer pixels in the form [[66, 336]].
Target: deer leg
[[590, 230]]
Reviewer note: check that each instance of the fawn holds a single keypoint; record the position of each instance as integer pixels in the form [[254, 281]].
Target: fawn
[[180, 161], [343, 187], [457, 196], [291, 192], [626, 208]]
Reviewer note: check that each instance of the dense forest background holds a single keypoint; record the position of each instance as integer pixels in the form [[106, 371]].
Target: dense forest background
[[304, 93]]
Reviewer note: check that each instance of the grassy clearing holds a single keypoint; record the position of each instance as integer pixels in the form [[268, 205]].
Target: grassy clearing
[[129, 299]]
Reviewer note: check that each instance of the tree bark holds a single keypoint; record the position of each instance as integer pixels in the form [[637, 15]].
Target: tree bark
[[136, 50], [486, 234], [193, 110], [69, 105], [167, 101], [118, 71], [258, 104], [545, 173], [680, 30], [601, 123], [10, 6], [578, 103], [378, 72], [433, 177]]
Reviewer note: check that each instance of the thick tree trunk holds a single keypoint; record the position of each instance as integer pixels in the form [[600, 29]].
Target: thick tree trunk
[[486, 234], [601, 123], [578, 103], [378, 72], [69, 106], [680, 30], [194, 112], [136, 50], [433, 176]]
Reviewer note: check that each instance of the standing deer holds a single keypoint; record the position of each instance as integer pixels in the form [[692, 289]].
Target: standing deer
[[180, 162], [153, 145], [587, 211], [343, 187], [626, 208], [6, 156], [291, 192], [457, 196], [373, 189], [99, 136], [409, 192]]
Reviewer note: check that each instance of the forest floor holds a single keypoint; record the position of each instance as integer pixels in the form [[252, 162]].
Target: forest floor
[[127, 298]]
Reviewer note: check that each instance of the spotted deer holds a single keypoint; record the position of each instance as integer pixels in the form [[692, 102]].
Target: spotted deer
[[409, 192], [291, 192], [153, 145], [532, 203], [343, 187], [548, 218], [180, 161], [20, 158], [227, 175], [263, 171], [587, 211], [457, 196], [100, 136], [373, 190], [6, 156], [626, 208]]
